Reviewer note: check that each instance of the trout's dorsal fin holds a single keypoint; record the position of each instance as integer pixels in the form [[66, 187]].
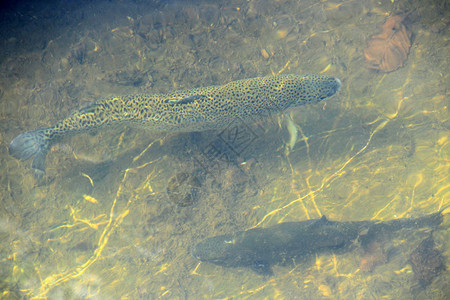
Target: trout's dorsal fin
[[323, 220], [90, 108], [319, 222], [185, 100]]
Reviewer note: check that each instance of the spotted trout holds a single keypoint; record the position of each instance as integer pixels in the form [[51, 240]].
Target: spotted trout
[[198, 109], [260, 248]]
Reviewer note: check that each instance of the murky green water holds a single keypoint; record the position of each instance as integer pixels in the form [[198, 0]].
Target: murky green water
[[101, 225]]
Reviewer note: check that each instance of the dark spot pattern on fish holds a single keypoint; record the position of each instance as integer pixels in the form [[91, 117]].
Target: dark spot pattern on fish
[[199, 109]]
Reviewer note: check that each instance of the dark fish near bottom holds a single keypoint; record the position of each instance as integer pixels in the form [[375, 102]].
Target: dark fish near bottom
[[260, 248]]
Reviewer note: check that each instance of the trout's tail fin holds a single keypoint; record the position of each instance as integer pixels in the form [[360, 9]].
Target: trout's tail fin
[[431, 220], [29, 144]]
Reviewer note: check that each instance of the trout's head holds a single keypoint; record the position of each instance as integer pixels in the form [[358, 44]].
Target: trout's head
[[315, 88], [221, 250], [311, 88]]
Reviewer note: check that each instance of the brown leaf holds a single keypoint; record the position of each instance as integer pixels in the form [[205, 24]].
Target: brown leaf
[[389, 50]]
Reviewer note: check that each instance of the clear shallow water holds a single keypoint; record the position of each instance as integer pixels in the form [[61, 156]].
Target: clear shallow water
[[101, 224]]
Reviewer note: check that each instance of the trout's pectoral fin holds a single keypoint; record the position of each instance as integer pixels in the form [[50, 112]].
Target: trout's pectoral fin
[[292, 129], [262, 267]]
